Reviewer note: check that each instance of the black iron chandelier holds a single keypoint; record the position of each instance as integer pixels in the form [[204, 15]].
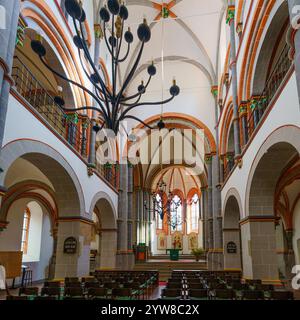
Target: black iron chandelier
[[112, 105], [170, 209]]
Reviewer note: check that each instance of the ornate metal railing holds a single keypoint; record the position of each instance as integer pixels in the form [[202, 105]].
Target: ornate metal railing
[[260, 104], [66, 125], [110, 173]]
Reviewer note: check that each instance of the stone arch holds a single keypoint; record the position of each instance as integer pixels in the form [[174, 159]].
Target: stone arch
[[60, 175], [266, 169], [39, 192], [260, 259], [231, 230], [103, 207]]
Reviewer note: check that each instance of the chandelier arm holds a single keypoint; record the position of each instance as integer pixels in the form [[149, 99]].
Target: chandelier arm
[[139, 120], [105, 38], [75, 84], [124, 86], [145, 104], [98, 94], [113, 66], [90, 60], [137, 94], [106, 92], [131, 74], [88, 76], [88, 56], [126, 55], [133, 103]]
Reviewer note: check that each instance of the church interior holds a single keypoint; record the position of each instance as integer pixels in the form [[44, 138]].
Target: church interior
[[149, 150]]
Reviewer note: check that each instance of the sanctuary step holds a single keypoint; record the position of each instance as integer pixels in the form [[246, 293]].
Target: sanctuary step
[[165, 266]]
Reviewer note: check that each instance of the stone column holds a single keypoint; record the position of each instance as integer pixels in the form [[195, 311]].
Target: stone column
[[294, 9], [122, 254], [130, 218], [210, 220], [7, 49], [217, 217], [78, 264], [234, 85], [243, 111], [259, 249], [232, 260], [204, 203]]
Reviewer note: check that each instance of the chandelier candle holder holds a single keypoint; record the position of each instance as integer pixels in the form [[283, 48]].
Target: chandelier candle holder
[[170, 209], [112, 105]]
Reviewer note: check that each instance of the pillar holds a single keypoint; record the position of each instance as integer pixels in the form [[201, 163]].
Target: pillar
[[294, 10], [131, 260], [210, 220], [7, 49], [122, 252], [77, 264], [234, 83], [204, 204], [259, 256], [243, 113], [232, 260], [217, 261]]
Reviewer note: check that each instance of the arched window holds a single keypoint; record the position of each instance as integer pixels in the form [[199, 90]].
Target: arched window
[[158, 207], [193, 214], [176, 214], [25, 231]]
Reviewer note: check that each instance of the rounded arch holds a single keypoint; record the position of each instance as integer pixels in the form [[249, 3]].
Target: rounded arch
[[274, 154], [36, 190], [262, 54], [105, 211], [185, 118], [65, 183], [103, 202], [231, 230], [232, 194], [55, 32]]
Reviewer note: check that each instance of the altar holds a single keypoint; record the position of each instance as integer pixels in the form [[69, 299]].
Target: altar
[[174, 254]]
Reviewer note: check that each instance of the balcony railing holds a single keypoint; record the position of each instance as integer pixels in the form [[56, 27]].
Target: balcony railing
[[110, 173], [39, 98], [261, 104], [66, 125]]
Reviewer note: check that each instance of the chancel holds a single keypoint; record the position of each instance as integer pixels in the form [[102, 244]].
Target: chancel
[[149, 150]]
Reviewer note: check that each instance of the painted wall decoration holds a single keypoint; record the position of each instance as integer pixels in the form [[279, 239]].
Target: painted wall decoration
[[193, 240], [177, 240], [162, 241]]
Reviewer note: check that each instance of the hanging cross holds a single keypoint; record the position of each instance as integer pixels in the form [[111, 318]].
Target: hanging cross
[[164, 10]]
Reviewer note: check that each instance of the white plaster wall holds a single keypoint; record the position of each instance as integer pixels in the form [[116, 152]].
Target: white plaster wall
[[285, 112], [35, 233], [39, 237]]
